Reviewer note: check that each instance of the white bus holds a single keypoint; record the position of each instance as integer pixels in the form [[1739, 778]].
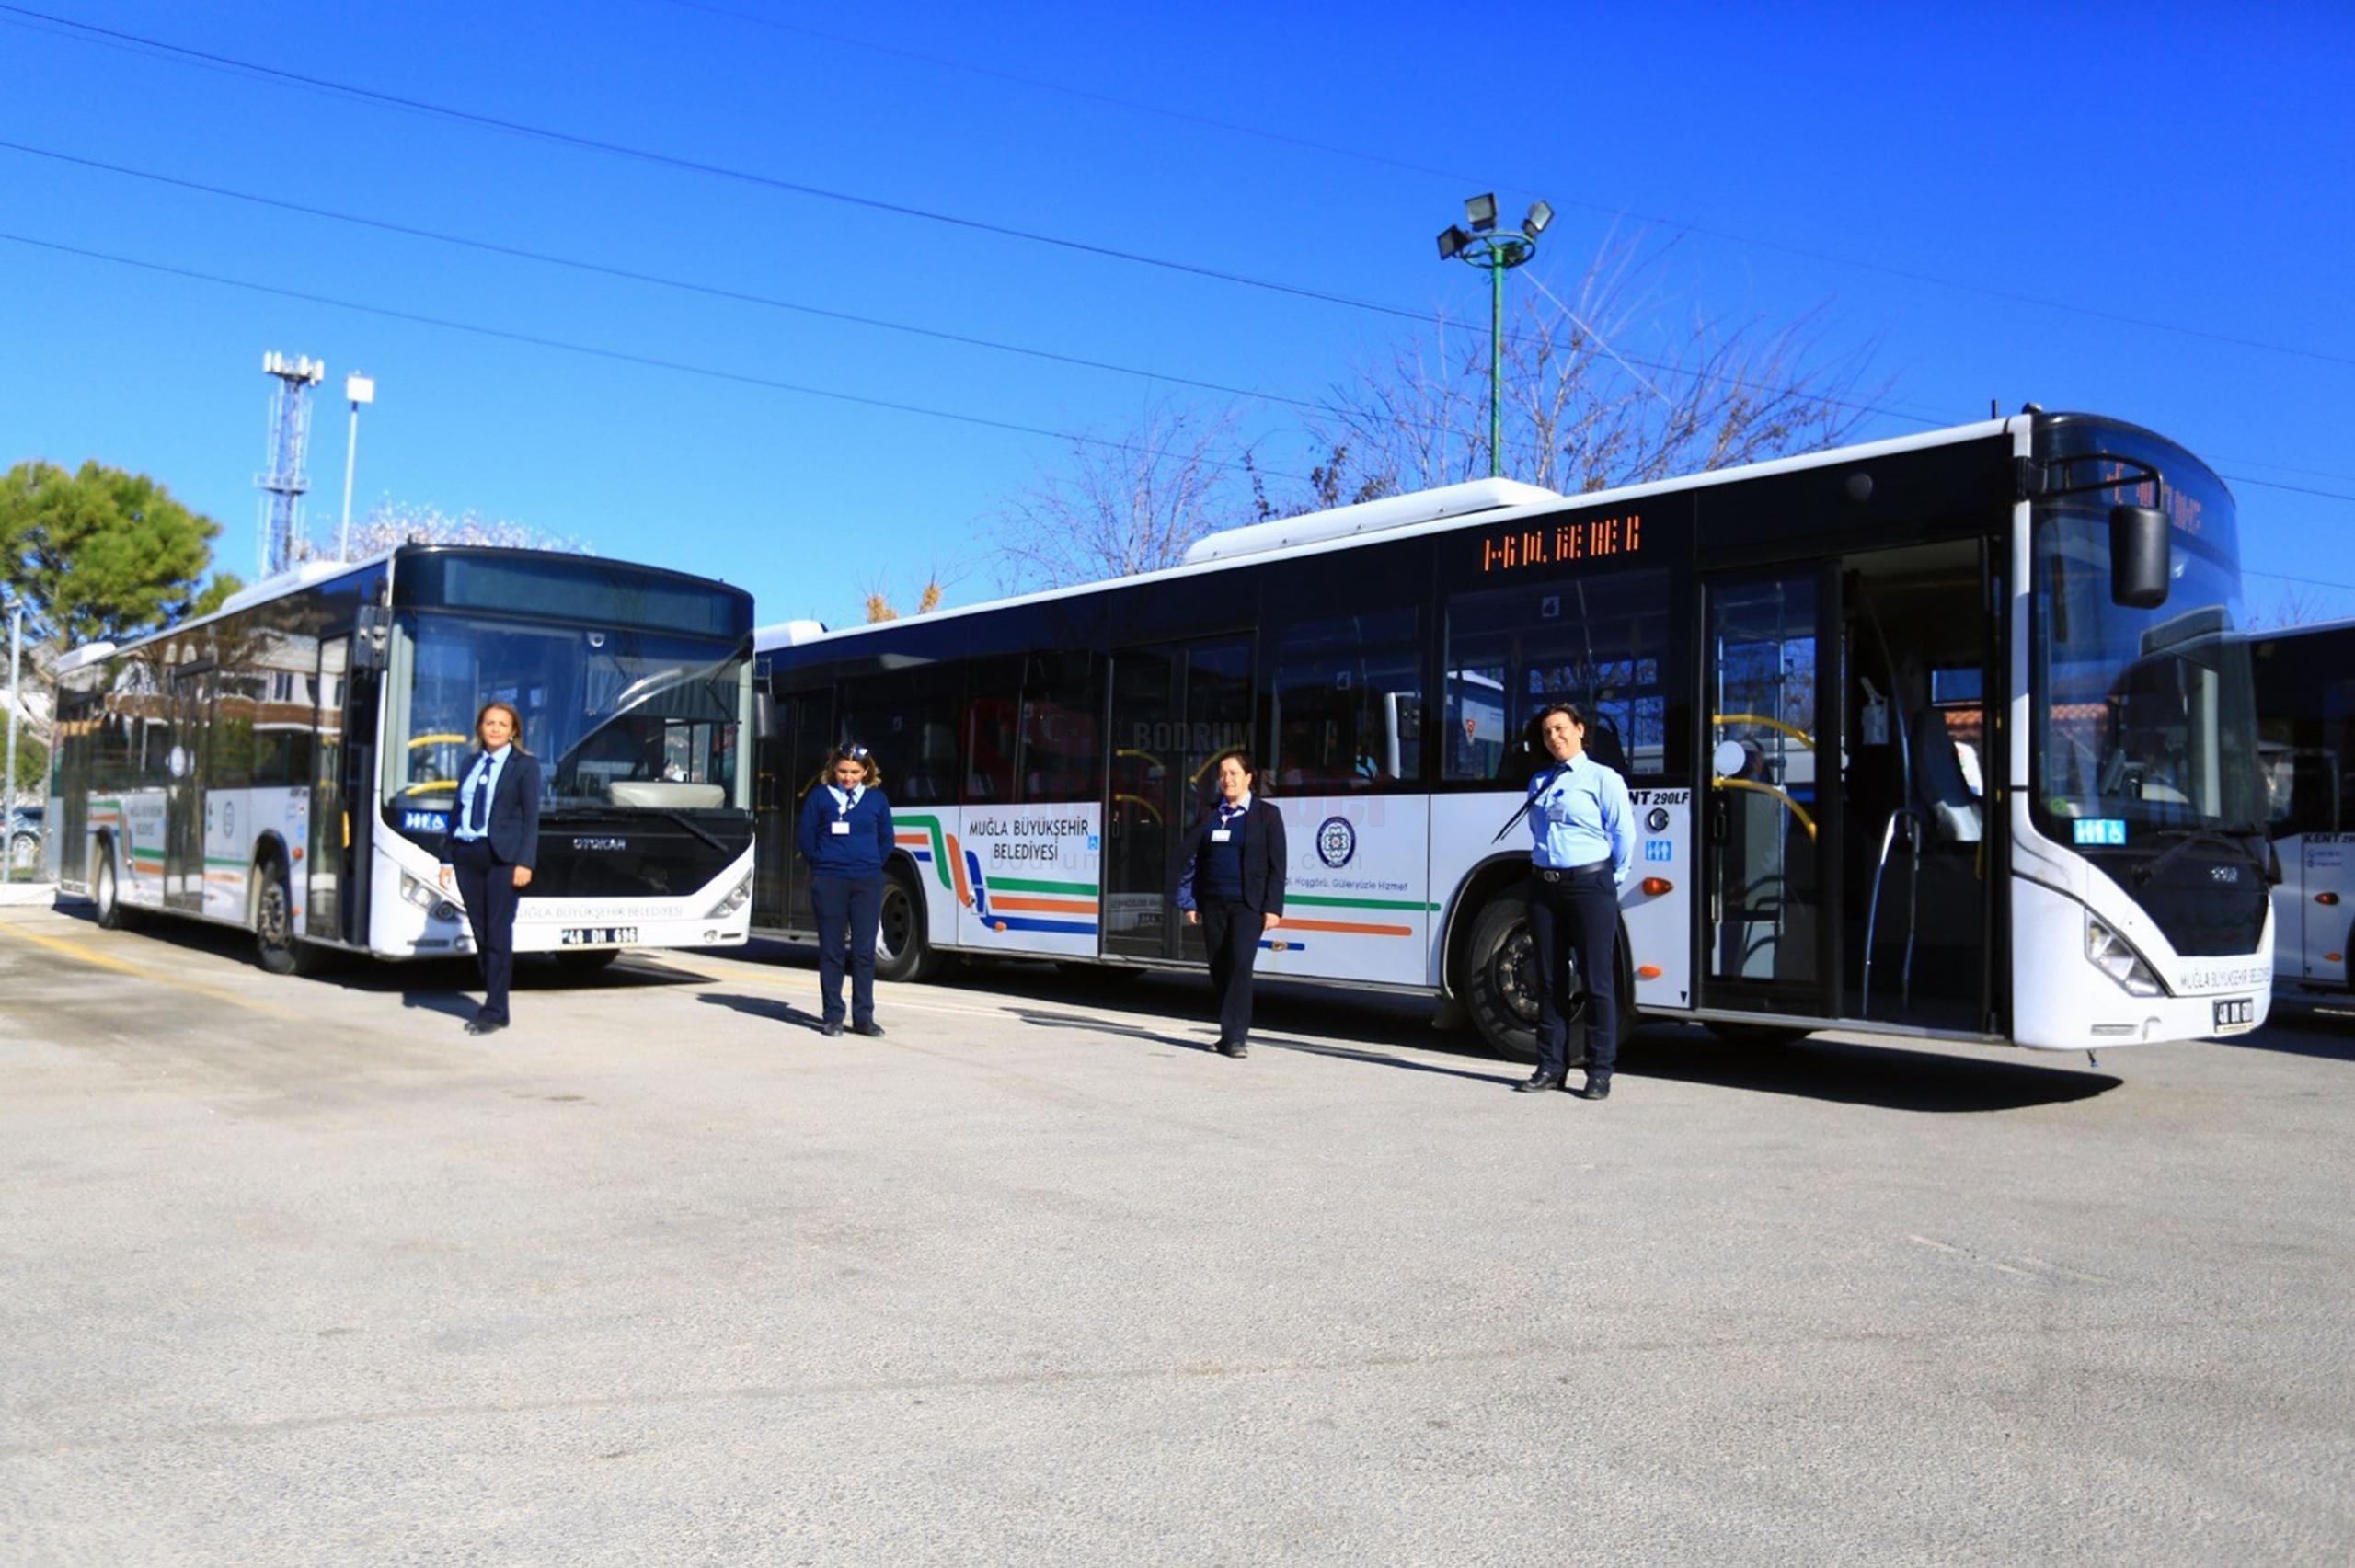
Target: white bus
[[1950, 737], [290, 764], [2305, 705]]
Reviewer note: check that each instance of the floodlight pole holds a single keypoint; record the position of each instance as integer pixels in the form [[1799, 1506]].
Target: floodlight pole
[[359, 389], [1484, 247], [8, 814]]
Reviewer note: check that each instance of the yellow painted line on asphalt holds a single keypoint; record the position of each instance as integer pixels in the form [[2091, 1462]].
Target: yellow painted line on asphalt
[[92, 957]]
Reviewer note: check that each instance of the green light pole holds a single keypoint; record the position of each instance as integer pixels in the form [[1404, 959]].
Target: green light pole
[[1481, 245]]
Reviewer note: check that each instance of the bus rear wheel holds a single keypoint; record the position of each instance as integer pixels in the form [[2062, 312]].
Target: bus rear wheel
[[1500, 987], [274, 919], [902, 951], [105, 892]]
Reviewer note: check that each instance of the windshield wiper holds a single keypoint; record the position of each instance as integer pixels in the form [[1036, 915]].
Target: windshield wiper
[[2226, 837]]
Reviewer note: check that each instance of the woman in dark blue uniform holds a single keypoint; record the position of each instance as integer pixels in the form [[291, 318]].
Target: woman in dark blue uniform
[[494, 843], [1584, 841], [846, 837], [1231, 883]]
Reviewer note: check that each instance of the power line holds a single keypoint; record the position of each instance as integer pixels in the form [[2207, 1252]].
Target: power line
[[620, 356], [723, 171], [1806, 253], [770, 301], [650, 155]]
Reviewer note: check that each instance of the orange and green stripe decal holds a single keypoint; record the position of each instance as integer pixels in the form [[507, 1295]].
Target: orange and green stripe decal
[[1352, 928]]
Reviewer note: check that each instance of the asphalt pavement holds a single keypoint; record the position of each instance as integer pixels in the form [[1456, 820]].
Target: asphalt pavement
[[298, 1271]]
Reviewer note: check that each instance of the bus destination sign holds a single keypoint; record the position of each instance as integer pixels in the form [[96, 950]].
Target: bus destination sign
[[1560, 544]]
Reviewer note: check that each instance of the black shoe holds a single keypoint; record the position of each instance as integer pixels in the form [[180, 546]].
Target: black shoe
[[830, 1027], [1538, 1080], [1594, 1088], [485, 1026], [1235, 1048], [871, 1029]]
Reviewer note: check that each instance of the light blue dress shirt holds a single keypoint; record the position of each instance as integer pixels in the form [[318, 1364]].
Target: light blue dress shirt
[[485, 780], [1579, 813]]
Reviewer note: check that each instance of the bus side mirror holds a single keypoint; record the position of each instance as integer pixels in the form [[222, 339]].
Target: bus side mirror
[[2140, 560]]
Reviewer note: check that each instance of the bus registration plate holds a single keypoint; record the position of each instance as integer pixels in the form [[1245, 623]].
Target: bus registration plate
[[598, 936], [2236, 1014]]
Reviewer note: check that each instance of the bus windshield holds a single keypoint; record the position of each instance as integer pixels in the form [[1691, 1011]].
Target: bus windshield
[[2147, 717], [621, 719]]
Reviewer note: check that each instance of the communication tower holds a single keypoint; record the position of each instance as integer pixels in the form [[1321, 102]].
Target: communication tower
[[290, 439]]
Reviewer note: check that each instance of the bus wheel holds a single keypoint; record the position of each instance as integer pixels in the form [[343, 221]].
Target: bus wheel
[[1500, 977], [105, 892], [902, 952], [273, 919], [586, 960], [1756, 1036]]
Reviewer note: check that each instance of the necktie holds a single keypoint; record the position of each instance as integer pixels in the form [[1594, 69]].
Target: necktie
[[478, 797]]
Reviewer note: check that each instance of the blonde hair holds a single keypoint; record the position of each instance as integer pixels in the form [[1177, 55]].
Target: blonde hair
[[514, 721]]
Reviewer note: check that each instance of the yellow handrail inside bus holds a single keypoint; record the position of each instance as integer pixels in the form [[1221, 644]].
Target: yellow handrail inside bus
[[1793, 731], [1140, 800], [1795, 808], [418, 741]]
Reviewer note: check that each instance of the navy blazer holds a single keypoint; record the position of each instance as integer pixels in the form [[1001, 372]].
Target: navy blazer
[[513, 832], [859, 852], [1264, 858]]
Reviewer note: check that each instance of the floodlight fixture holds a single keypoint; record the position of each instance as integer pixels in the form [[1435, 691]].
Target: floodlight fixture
[[1540, 215], [1481, 213], [1451, 242]]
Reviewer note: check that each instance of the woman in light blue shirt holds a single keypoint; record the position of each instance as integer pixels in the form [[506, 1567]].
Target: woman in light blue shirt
[[1584, 841]]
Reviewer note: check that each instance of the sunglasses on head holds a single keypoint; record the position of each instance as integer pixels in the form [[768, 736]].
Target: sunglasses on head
[[854, 753]]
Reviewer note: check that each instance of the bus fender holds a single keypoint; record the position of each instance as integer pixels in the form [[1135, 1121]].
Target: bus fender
[[1483, 882]]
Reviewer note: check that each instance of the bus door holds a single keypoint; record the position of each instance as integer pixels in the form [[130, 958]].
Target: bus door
[[330, 843], [1770, 814], [184, 791], [801, 731], [1176, 706]]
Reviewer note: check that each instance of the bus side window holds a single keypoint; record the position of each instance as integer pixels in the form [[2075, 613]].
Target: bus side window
[[1348, 701], [1062, 737]]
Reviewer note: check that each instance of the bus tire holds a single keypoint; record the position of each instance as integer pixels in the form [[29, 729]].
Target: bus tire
[[1498, 981], [903, 949], [274, 942], [105, 892], [1756, 1036]]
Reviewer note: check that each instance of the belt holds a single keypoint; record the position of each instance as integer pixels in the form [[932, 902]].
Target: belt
[[1563, 874]]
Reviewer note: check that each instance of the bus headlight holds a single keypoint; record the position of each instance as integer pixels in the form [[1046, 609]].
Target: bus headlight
[[2112, 954], [738, 896], [429, 899]]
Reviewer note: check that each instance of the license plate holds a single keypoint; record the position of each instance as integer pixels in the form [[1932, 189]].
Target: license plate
[[598, 936], [2236, 1014]]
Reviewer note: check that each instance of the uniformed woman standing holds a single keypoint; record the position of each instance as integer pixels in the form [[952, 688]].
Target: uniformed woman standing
[[846, 837], [1231, 883], [493, 845], [1583, 827]]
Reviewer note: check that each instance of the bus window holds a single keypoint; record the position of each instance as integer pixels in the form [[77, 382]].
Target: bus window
[[990, 729], [909, 720], [1349, 703], [1062, 747], [1597, 642]]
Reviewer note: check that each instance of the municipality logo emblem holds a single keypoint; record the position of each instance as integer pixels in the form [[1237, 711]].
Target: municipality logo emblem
[[1336, 842]]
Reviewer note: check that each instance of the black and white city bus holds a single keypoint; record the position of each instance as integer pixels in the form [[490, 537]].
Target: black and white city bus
[[1950, 735], [291, 763], [2306, 707]]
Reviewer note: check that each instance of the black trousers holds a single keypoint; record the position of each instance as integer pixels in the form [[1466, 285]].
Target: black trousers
[[487, 884], [1231, 930], [1575, 924], [848, 908]]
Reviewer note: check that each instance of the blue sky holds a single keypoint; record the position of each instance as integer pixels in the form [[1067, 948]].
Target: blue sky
[[2185, 167]]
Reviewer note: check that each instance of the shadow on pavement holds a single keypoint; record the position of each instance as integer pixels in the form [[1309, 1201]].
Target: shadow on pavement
[[772, 1010], [2305, 1027], [1891, 1077], [1099, 1027]]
